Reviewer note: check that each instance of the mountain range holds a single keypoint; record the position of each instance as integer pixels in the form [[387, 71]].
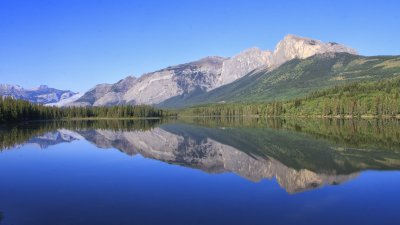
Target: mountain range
[[296, 67], [296, 78], [41, 95], [173, 85]]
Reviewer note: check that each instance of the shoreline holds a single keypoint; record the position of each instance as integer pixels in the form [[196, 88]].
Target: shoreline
[[297, 116]]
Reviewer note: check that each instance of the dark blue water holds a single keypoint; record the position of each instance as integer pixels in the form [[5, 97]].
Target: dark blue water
[[179, 174]]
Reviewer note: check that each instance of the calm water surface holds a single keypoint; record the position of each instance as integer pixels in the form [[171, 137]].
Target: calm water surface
[[202, 171]]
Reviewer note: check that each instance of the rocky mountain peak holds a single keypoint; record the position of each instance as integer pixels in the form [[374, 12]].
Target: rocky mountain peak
[[124, 84], [153, 88], [39, 88], [243, 63], [212, 59], [296, 37], [293, 46]]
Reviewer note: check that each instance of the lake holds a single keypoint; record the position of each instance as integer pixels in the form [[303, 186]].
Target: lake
[[200, 171]]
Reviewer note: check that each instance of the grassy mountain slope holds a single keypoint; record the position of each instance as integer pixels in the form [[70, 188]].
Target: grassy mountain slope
[[297, 78]]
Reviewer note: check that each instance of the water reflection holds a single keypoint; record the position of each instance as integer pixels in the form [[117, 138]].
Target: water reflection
[[301, 154]]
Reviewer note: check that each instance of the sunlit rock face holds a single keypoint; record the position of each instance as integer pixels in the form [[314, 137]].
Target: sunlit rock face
[[153, 88], [242, 64], [210, 156], [300, 47], [114, 96], [106, 94]]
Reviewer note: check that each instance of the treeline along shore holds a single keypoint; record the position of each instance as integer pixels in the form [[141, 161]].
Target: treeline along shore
[[362, 99], [14, 110], [365, 99]]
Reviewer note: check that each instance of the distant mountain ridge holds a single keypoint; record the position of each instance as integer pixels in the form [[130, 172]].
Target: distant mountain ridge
[[153, 88], [41, 95], [202, 76]]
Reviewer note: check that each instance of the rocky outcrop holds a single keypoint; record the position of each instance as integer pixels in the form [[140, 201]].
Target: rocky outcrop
[[300, 47], [153, 88], [106, 94], [243, 63]]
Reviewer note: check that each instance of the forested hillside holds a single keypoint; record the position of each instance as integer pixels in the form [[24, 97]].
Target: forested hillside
[[12, 110], [374, 99]]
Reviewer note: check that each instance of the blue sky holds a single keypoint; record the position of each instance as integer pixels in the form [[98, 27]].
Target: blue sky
[[76, 44]]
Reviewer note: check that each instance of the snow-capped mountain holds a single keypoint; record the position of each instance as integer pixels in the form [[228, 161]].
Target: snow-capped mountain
[[42, 94]]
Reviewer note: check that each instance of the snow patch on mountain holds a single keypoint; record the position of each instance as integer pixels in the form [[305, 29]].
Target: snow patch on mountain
[[65, 101]]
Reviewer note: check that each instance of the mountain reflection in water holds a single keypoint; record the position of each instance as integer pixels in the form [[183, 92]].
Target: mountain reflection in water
[[300, 155]]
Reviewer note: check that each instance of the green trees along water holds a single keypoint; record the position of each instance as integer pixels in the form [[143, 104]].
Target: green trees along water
[[18, 110], [12, 110], [12, 134], [126, 111], [375, 99]]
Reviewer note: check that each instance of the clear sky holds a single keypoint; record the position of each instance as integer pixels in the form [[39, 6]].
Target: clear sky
[[76, 44]]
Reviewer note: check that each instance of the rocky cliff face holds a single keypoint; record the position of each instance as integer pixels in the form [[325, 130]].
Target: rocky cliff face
[[287, 49], [300, 47], [206, 74], [156, 87], [42, 94], [243, 63], [106, 94], [114, 95]]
